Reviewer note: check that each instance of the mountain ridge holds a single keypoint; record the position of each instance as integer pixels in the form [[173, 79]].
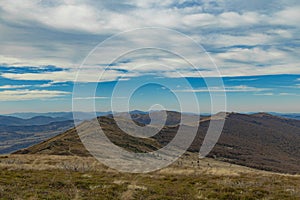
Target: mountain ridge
[[257, 141]]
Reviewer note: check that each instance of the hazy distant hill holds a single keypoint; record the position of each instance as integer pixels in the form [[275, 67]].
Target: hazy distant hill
[[65, 115], [37, 120], [288, 115], [258, 140], [16, 133]]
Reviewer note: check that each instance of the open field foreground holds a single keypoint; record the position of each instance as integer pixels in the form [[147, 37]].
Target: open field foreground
[[71, 177]]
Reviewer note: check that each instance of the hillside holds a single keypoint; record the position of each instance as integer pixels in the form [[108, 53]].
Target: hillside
[[71, 177], [69, 142], [172, 117], [259, 140]]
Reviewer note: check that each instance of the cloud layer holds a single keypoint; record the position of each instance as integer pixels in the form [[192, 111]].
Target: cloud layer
[[243, 38], [19, 95]]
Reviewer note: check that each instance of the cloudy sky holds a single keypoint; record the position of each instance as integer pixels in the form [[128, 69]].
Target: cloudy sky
[[252, 45]]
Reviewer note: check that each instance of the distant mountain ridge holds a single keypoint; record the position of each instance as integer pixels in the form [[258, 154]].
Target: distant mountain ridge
[[17, 133], [287, 115], [91, 115], [66, 115], [37, 120]]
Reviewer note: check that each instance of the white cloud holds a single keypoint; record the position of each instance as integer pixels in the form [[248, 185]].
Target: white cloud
[[20, 56], [86, 75], [233, 19], [199, 19], [97, 97], [19, 95], [151, 3], [69, 15], [254, 55], [61, 76], [243, 79], [282, 33], [239, 88], [46, 85], [287, 94], [235, 62], [256, 61], [13, 86], [296, 86], [264, 94], [86, 17], [51, 84], [90, 98], [288, 16], [225, 40], [72, 26]]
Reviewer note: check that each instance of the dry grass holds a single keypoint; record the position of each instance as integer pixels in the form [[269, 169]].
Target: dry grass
[[69, 177]]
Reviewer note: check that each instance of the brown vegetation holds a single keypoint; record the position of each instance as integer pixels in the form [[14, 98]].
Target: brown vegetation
[[260, 141], [72, 177]]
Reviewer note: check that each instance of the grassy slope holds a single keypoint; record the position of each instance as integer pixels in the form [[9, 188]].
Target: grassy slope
[[69, 143], [70, 177]]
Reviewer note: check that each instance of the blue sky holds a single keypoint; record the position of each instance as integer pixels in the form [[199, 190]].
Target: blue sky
[[254, 44]]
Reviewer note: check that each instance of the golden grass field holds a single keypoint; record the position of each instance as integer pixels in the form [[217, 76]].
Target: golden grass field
[[71, 177]]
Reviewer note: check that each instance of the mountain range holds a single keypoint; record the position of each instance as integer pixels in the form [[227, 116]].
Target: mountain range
[[17, 133], [260, 140], [66, 115], [90, 115]]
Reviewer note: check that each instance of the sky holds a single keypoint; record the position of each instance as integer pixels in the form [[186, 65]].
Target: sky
[[233, 55]]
